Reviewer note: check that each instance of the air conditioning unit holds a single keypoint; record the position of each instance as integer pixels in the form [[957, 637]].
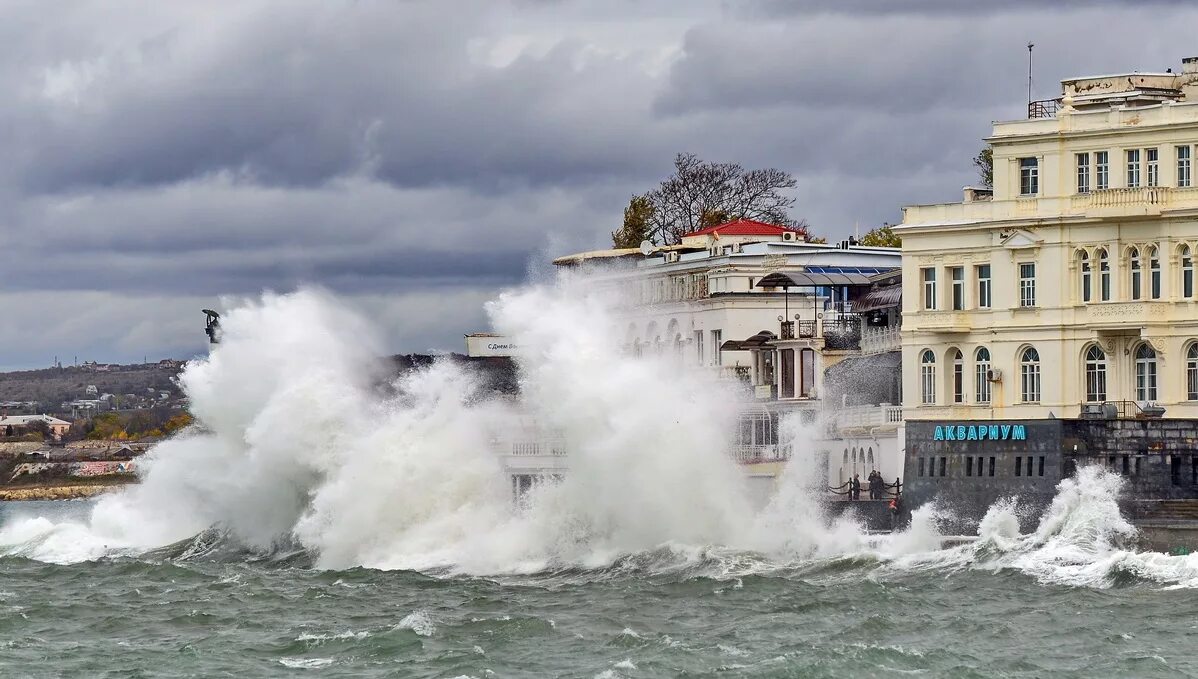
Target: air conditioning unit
[[788, 235], [671, 257], [994, 375]]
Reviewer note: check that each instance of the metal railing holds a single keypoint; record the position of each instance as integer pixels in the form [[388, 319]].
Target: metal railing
[[761, 452], [842, 332], [889, 491], [1044, 108]]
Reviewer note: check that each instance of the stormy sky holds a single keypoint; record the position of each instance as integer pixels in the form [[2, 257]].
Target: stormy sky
[[416, 157]]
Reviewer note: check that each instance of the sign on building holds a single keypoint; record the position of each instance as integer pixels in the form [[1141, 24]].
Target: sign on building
[[489, 344]]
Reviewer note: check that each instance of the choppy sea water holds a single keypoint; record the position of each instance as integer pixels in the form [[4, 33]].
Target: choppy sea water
[[194, 611]]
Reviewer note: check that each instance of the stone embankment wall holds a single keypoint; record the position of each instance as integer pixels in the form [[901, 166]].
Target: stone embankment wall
[[55, 492]]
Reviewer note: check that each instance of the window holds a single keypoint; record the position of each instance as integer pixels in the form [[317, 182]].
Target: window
[[1018, 466], [981, 377], [958, 376], [1154, 272], [1029, 376], [1187, 273], [958, 275], [1029, 176], [1192, 372], [1133, 265], [1095, 374], [1084, 266], [983, 271], [717, 338], [1133, 168], [1027, 284], [1183, 166], [969, 466], [1102, 170], [699, 346], [991, 467], [1151, 167], [1083, 173], [1041, 463], [1029, 465], [1145, 373], [1104, 275], [927, 372], [929, 288], [920, 473], [943, 466]]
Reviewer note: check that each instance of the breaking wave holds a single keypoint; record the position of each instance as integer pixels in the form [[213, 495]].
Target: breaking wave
[[303, 458]]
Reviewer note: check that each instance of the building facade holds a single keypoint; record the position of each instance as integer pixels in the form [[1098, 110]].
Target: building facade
[[1051, 322], [1071, 283]]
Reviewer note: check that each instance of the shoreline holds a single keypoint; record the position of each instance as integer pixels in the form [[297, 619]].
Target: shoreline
[[60, 491]]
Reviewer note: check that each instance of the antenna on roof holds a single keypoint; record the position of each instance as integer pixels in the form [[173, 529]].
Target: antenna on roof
[[1029, 74]]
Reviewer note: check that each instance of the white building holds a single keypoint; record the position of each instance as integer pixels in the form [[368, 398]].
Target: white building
[[1068, 289]]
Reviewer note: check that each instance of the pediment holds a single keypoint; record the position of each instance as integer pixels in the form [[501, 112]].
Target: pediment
[[1017, 239]]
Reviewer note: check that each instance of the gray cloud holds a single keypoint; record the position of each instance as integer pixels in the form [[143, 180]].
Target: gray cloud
[[417, 156]]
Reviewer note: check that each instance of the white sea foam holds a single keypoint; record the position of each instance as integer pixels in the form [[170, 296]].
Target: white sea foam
[[419, 622], [297, 444]]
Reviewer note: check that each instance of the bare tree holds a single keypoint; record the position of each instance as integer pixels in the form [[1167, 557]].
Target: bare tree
[[701, 193]]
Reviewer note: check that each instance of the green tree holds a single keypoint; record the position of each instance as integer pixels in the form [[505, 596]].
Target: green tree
[[636, 223], [882, 237], [984, 162]]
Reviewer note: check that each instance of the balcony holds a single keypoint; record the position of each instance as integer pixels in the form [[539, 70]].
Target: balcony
[[881, 340], [767, 452], [944, 321], [866, 417], [842, 333]]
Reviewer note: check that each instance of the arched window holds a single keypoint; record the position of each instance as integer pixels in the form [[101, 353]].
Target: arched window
[[981, 391], [846, 455], [1083, 265], [1133, 266], [1192, 372], [854, 455], [1154, 272], [1187, 272], [1145, 373], [1104, 275], [1095, 374], [927, 373], [871, 455], [1029, 376], [958, 375]]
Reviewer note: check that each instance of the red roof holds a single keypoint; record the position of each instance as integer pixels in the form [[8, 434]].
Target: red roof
[[742, 227]]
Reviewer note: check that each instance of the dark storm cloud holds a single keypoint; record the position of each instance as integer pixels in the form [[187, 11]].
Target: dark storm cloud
[[416, 156]]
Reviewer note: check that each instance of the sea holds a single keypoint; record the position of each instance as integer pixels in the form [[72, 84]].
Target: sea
[[321, 521]]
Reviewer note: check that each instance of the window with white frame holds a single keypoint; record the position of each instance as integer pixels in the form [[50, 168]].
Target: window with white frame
[[1133, 168], [1083, 173], [1083, 266], [1102, 170], [717, 338], [1187, 272], [1027, 284], [1192, 372], [1154, 272], [1095, 374], [1133, 267], [929, 287], [1152, 172], [1029, 176], [699, 346], [1029, 376], [983, 275], [927, 373], [1104, 275], [981, 375], [1145, 373], [958, 376], [957, 273], [1183, 166]]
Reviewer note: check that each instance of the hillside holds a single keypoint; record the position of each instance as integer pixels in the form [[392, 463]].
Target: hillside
[[51, 387]]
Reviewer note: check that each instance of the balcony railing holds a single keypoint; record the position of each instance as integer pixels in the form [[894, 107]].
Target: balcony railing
[[763, 452], [1125, 197], [880, 340], [866, 417], [742, 373], [842, 333]]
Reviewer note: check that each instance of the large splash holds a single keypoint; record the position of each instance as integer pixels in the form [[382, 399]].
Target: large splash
[[299, 448]]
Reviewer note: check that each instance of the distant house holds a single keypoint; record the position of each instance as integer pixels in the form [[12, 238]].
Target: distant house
[[15, 425], [169, 364]]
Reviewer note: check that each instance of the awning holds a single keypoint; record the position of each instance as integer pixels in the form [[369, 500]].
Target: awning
[[754, 342], [803, 279], [879, 298]]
